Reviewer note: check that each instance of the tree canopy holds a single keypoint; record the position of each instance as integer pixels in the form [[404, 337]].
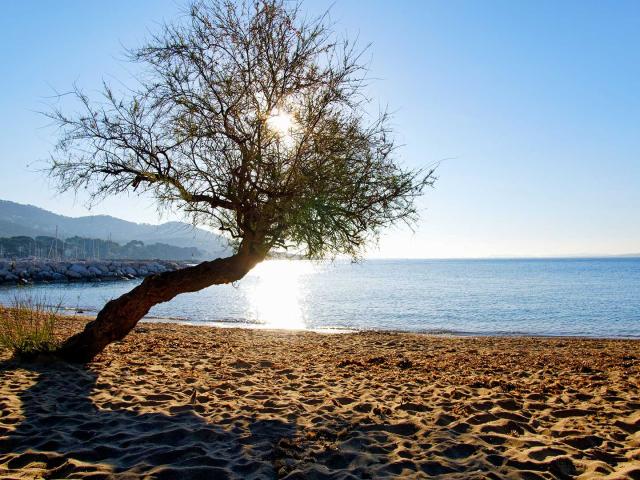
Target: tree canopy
[[253, 119]]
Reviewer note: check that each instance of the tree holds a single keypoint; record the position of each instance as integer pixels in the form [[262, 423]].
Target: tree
[[248, 118]]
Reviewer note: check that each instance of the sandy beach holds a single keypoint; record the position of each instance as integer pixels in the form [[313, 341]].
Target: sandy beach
[[175, 401]]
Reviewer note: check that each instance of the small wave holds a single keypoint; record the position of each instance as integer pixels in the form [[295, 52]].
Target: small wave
[[65, 309], [332, 329], [191, 321], [245, 321]]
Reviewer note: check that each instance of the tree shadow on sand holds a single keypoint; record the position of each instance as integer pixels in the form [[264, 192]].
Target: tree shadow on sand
[[64, 430]]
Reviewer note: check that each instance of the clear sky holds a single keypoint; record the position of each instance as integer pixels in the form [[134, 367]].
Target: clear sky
[[535, 105]]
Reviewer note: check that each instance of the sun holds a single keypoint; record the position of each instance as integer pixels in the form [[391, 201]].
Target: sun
[[282, 123]]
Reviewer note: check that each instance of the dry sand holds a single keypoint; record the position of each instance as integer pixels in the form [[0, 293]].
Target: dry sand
[[182, 402]]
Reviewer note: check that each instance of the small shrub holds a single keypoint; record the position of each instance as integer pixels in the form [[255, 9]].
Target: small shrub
[[27, 327]]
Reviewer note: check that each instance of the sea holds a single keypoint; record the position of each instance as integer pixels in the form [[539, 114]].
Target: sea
[[590, 297]]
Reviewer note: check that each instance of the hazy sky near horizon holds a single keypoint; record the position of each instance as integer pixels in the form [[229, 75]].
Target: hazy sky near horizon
[[533, 107]]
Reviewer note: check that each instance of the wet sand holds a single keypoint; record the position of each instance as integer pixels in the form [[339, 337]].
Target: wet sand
[[174, 401]]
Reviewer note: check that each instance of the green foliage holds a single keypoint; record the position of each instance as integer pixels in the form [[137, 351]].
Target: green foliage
[[27, 327], [252, 118]]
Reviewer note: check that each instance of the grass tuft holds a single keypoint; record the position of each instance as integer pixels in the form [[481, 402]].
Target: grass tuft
[[27, 327]]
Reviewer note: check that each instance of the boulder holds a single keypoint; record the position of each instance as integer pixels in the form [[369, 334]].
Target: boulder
[[95, 271], [41, 267], [10, 277], [130, 271], [42, 276], [73, 275], [103, 268], [22, 273], [60, 267], [79, 269], [21, 265], [156, 267], [58, 277]]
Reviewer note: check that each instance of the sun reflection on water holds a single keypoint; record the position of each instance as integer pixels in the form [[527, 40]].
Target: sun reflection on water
[[276, 299]]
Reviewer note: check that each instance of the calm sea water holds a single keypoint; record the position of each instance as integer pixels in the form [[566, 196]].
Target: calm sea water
[[586, 297]]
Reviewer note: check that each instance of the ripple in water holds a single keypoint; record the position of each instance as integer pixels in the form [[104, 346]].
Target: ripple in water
[[586, 297]]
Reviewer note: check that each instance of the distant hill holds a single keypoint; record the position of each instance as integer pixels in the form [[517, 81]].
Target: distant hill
[[18, 219]]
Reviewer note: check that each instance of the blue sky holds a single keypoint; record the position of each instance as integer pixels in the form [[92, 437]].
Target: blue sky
[[534, 105]]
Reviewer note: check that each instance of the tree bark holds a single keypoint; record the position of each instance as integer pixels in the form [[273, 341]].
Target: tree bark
[[119, 316]]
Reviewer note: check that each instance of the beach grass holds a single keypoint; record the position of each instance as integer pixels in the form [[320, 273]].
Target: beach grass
[[27, 326]]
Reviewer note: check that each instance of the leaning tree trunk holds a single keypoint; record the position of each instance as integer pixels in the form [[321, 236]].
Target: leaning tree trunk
[[119, 316]]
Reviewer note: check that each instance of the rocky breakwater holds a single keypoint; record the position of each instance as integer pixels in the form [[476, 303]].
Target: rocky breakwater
[[43, 271]]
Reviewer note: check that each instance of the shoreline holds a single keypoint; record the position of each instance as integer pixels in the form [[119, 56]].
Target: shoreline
[[333, 330], [178, 401], [80, 314]]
